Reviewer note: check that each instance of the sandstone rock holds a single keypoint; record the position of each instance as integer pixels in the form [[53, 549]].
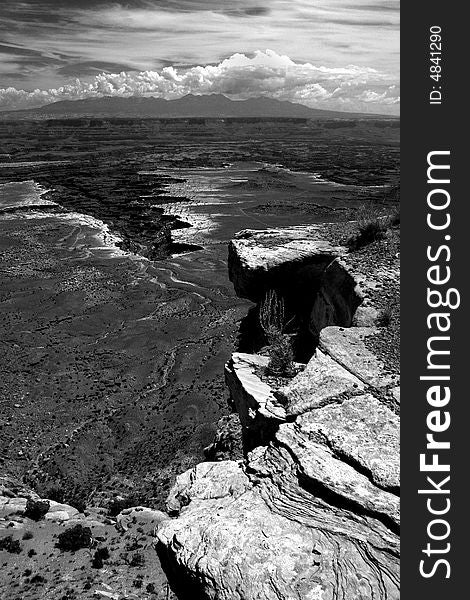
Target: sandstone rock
[[346, 346], [228, 444], [60, 512], [362, 432], [12, 506], [365, 316], [230, 547], [207, 481], [248, 390], [323, 444], [321, 382], [253, 254], [141, 515], [259, 410]]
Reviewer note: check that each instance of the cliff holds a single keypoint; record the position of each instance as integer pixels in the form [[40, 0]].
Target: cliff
[[312, 511]]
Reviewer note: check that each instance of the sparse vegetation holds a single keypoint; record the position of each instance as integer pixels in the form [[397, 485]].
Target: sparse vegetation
[[137, 560], [73, 495], [281, 357], [36, 509], [372, 225], [99, 557], [116, 505], [75, 538], [273, 322], [10, 545], [385, 317]]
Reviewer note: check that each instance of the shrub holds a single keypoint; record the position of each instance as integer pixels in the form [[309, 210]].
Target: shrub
[[74, 496], [36, 509], [384, 317], [281, 357], [395, 217], [75, 538], [28, 535], [273, 322], [10, 545], [116, 505], [372, 225], [272, 315], [137, 560], [369, 232], [100, 555], [56, 493]]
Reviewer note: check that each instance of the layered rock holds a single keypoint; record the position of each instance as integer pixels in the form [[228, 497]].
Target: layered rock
[[312, 512]]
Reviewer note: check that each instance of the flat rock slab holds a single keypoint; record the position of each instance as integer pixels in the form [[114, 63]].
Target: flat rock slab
[[362, 432], [346, 346], [322, 380], [325, 474], [253, 253]]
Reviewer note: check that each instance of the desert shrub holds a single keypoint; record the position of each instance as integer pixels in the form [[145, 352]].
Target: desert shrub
[[55, 492], [372, 225], [100, 555], [384, 317], [394, 218], [10, 545], [74, 538], [273, 322], [116, 505], [281, 357], [368, 232], [36, 509], [272, 315], [28, 535], [137, 560], [74, 496]]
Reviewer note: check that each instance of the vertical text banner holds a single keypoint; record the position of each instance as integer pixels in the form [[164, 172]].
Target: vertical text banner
[[435, 228]]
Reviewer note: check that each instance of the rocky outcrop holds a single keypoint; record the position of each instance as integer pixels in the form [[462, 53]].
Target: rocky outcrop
[[312, 512], [305, 269], [102, 555]]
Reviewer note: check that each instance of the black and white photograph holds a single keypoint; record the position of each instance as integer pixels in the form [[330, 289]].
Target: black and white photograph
[[200, 299]]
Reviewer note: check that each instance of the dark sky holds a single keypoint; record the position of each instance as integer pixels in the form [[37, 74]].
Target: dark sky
[[46, 44]]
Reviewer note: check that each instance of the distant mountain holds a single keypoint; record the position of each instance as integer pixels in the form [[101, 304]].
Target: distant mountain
[[190, 106]]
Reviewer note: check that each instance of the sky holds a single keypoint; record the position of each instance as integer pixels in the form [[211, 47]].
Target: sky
[[334, 54]]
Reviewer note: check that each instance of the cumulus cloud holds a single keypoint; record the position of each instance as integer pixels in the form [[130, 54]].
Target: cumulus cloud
[[240, 76]]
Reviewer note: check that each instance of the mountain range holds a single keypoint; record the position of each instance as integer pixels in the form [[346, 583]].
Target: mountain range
[[190, 106]]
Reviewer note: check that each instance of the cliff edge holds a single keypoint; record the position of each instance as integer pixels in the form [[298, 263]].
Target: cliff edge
[[312, 510]]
